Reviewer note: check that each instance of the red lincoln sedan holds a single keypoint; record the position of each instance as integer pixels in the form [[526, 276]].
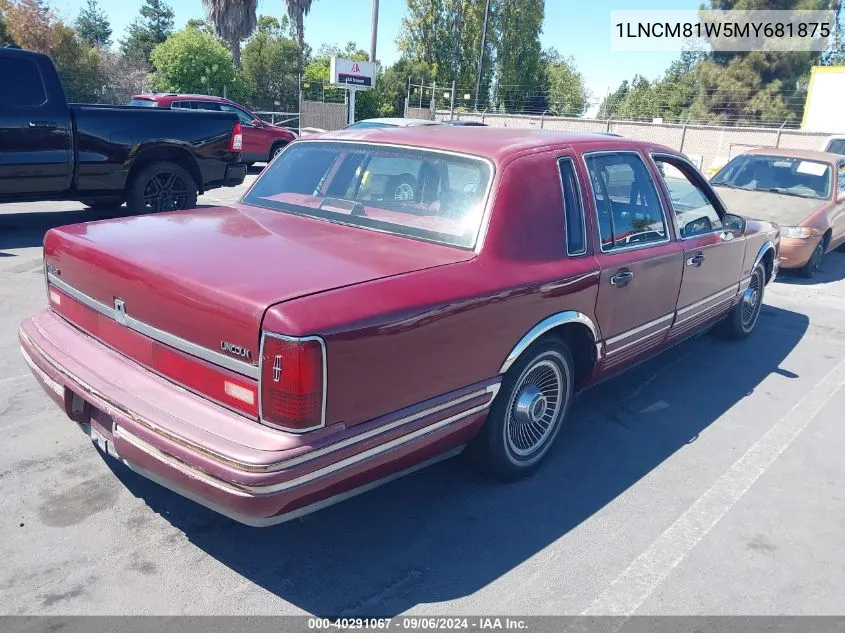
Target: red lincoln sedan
[[261, 140]]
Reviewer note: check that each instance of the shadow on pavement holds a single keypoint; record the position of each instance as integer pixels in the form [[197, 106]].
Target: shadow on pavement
[[27, 228], [832, 269], [446, 532]]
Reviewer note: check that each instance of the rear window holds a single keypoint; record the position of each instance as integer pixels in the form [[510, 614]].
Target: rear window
[[415, 193], [143, 103], [22, 82], [369, 124]]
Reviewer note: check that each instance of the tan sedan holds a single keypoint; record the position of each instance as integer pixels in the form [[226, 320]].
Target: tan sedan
[[802, 191]]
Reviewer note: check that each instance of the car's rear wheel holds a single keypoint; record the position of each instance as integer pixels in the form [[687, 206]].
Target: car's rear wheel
[[162, 186], [109, 202], [528, 413], [740, 322], [814, 263]]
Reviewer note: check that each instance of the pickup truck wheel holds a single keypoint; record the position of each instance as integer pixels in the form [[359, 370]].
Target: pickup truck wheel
[[163, 186], [528, 412], [743, 317], [111, 202]]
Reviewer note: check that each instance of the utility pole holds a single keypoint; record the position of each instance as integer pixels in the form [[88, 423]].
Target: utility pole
[[483, 48], [374, 32]]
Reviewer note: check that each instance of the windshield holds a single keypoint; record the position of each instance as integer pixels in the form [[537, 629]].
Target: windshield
[[410, 192], [779, 174], [143, 103], [370, 124]]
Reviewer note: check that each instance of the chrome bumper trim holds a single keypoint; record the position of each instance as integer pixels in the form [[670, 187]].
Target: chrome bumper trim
[[154, 333]]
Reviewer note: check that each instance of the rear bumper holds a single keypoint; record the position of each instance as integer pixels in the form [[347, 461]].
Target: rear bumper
[[235, 174], [225, 461]]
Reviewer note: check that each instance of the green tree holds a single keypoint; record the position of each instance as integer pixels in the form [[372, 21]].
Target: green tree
[[269, 65], [151, 28], [392, 85], [835, 53], [446, 35], [193, 61], [29, 23], [234, 21], [92, 25], [297, 10], [5, 36], [566, 93], [519, 68], [200, 24], [78, 65]]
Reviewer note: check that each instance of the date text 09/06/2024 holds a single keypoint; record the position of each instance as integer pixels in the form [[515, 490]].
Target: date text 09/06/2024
[[411, 623]]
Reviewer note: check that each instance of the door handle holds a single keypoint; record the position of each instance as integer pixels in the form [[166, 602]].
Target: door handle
[[621, 279], [46, 125], [696, 260]]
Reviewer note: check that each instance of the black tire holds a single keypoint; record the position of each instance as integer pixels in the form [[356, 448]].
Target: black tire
[[740, 321], [509, 447], [275, 150], [109, 202], [808, 270], [162, 186]]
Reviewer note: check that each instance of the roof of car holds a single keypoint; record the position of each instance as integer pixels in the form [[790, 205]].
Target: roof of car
[[808, 154], [171, 96], [490, 142], [399, 121]]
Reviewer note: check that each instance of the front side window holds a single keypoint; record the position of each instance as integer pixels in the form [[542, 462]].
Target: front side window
[[414, 193], [776, 174], [694, 211], [627, 205]]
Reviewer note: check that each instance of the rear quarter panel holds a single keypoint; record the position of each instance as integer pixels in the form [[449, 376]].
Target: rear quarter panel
[[401, 340], [110, 138]]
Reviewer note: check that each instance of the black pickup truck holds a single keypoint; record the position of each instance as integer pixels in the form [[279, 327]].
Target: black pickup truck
[[154, 160]]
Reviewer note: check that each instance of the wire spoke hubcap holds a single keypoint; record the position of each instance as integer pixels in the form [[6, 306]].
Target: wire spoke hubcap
[[534, 408], [751, 301]]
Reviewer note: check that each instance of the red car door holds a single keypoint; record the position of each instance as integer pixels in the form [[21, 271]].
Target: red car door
[[257, 140], [641, 262], [713, 255]]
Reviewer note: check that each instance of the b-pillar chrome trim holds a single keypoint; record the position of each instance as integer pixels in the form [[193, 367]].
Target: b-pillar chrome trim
[[549, 323]]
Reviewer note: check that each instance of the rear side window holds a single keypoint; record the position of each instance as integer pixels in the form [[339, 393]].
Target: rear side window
[[576, 237], [627, 206], [23, 86]]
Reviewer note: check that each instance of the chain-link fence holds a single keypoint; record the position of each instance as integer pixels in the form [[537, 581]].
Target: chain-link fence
[[708, 146]]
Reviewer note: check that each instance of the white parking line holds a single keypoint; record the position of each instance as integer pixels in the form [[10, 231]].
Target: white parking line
[[636, 583]]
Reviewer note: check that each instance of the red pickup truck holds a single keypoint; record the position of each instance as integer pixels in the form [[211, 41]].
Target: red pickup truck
[[381, 299]]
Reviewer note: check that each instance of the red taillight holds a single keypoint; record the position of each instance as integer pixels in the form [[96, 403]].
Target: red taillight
[[292, 382], [237, 138]]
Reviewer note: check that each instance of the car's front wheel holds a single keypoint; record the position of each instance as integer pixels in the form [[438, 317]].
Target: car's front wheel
[[528, 412], [741, 320]]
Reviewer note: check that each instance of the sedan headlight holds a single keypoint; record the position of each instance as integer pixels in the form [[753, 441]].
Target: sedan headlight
[[799, 232]]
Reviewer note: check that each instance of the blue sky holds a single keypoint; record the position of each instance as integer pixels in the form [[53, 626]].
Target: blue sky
[[580, 28]]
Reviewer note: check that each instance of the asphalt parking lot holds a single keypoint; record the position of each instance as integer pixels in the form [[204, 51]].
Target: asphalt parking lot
[[707, 481]]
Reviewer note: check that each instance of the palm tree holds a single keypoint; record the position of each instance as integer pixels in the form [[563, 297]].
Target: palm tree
[[234, 21], [297, 10]]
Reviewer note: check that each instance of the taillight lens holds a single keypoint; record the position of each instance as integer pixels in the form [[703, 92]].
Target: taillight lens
[[292, 382], [237, 138]]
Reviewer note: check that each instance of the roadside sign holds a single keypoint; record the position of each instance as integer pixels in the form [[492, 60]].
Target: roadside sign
[[352, 74]]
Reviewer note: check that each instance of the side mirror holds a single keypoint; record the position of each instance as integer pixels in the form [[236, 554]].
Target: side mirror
[[257, 123], [735, 223]]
